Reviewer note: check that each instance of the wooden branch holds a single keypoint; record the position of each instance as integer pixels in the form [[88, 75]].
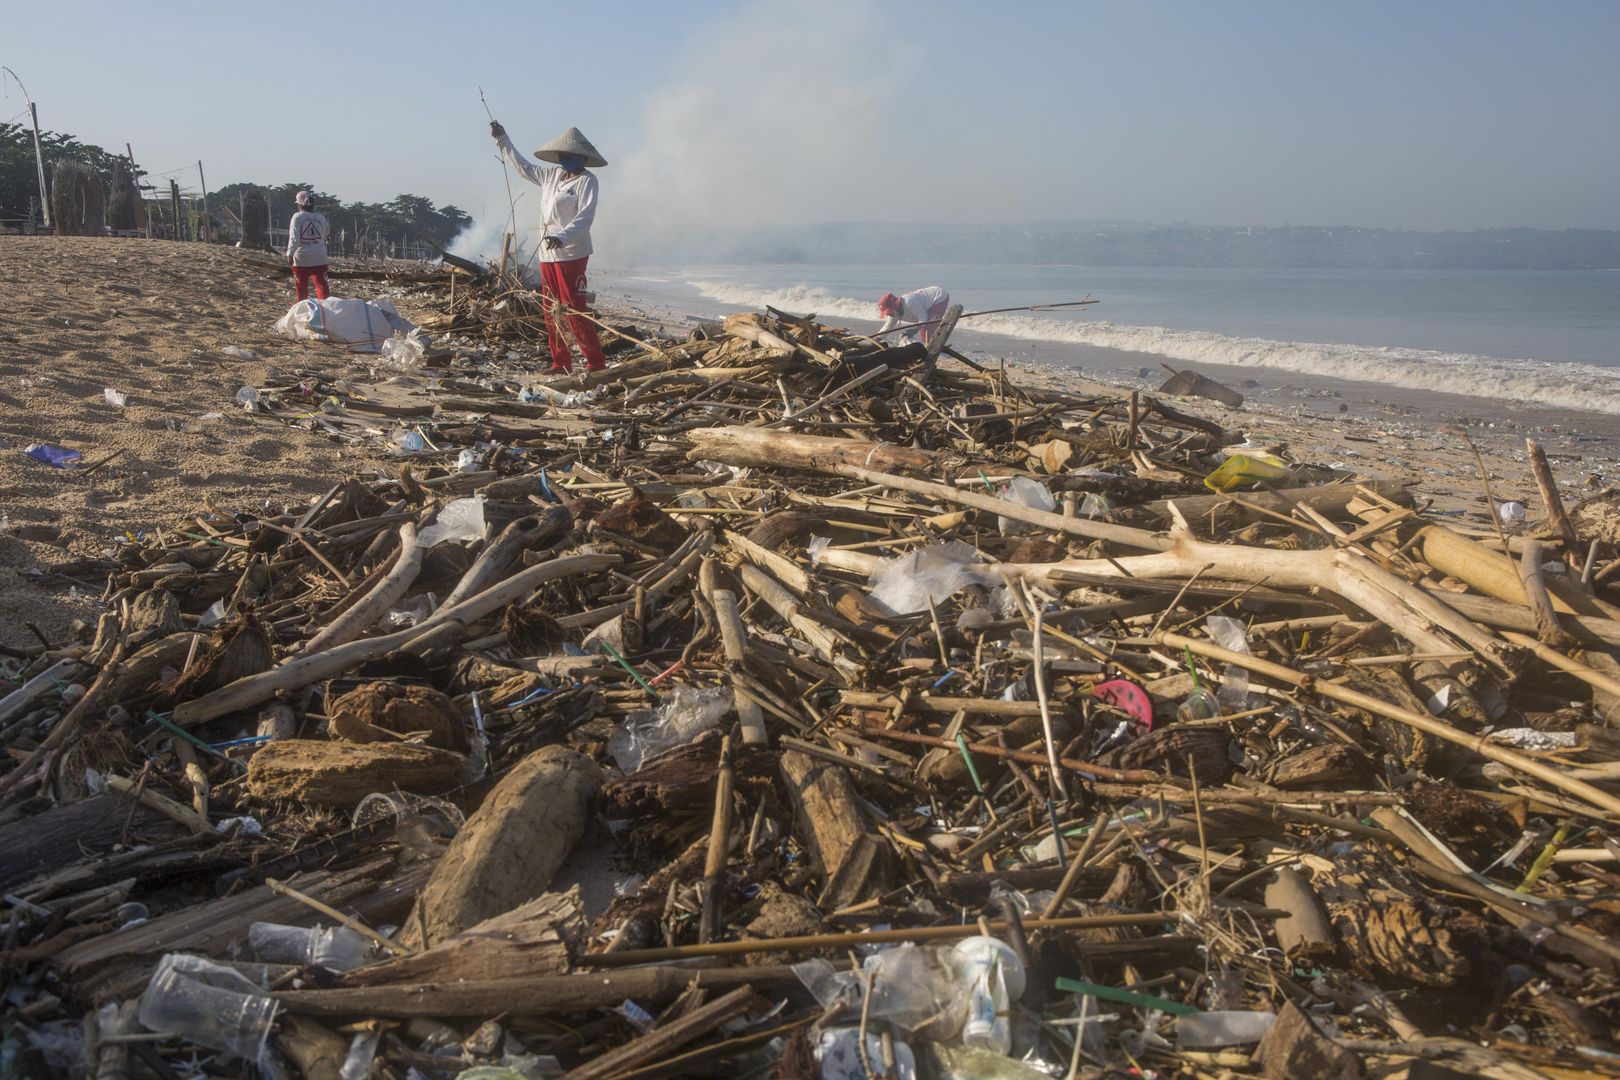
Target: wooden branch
[[663, 1041], [772, 448], [1557, 517], [305, 670], [855, 862], [1535, 595], [714, 866], [1139, 539], [365, 613]]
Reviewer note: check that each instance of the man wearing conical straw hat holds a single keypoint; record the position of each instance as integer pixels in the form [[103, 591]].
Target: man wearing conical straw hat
[[567, 207]]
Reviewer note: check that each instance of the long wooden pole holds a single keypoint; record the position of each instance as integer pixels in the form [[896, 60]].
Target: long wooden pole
[[39, 165]]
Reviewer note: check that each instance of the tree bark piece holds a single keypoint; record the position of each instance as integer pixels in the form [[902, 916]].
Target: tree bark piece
[[340, 774], [1294, 1049], [855, 862], [1305, 933], [508, 852], [536, 938], [769, 447], [318, 1051]]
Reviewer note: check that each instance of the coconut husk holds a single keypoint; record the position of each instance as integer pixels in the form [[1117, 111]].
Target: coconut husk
[[388, 711]]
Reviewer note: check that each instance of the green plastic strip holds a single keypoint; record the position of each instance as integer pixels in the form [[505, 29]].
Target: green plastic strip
[[1126, 997]]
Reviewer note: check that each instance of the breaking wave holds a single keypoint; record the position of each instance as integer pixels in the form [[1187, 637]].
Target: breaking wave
[[1538, 382]]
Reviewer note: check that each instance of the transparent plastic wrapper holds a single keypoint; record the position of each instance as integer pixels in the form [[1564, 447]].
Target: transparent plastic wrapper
[[336, 948], [682, 715], [405, 352], [236, 352], [1230, 635], [208, 1004], [1022, 491], [1245, 470], [362, 1052], [1095, 506], [992, 977], [469, 460], [410, 612], [115, 397], [459, 521], [968, 1063], [839, 1051], [1234, 1027], [1512, 513], [907, 584], [910, 985]]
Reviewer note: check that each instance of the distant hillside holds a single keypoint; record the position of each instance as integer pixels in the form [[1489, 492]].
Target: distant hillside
[[1122, 244]]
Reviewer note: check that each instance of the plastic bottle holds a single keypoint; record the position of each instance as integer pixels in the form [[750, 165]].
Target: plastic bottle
[[991, 977], [208, 1004], [336, 948], [1226, 1027]]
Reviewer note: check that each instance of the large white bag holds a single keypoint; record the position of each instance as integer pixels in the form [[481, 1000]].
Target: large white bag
[[362, 325]]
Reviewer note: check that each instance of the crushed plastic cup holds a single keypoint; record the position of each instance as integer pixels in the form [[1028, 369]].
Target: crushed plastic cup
[[1095, 506], [248, 398], [1198, 705], [57, 457], [991, 977], [336, 948], [1023, 491], [1225, 1027], [683, 713], [1244, 470], [908, 583], [115, 397], [468, 461], [459, 521], [208, 1004], [236, 352], [1512, 513]]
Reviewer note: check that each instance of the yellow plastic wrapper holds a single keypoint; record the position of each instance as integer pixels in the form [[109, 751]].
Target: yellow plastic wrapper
[[1246, 470]]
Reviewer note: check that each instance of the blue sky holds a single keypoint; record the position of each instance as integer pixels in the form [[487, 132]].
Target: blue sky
[[1445, 114]]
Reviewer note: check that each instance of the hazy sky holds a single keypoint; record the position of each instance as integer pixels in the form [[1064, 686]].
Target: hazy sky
[[1436, 115]]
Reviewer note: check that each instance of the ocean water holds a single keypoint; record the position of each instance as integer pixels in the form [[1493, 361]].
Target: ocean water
[[1541, 339]]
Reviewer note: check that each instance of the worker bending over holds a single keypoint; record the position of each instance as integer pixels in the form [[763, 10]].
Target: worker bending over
[[918, 311]]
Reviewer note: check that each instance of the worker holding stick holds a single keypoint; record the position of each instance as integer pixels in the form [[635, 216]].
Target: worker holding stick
[[567, 207], [917, 312]]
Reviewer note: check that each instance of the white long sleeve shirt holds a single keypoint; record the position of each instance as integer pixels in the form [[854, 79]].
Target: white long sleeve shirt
[[927, 306], [567, 204], [307, 234]]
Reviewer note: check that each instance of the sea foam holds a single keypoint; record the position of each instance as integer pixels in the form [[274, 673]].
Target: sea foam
[[1533, 382]]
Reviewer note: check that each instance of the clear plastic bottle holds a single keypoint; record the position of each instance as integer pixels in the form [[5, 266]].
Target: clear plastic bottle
[[991, 977], [336, 948], [1225, 1027]]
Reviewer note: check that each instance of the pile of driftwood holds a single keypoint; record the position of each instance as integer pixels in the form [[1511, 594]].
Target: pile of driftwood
[[828, 658]]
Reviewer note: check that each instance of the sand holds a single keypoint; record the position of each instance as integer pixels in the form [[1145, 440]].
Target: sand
[[151, 318]]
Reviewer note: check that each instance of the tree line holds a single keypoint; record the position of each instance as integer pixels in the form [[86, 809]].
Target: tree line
[[404, 219]]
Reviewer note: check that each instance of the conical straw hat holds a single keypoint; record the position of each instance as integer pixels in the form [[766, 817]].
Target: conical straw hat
[[571, 142]]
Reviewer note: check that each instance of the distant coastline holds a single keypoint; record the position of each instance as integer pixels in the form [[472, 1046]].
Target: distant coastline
[[1106, 243]]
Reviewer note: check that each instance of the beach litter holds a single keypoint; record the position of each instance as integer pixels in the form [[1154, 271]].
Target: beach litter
[[1140, 786]]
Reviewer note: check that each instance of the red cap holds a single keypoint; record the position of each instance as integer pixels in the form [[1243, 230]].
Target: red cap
[[888, 304]]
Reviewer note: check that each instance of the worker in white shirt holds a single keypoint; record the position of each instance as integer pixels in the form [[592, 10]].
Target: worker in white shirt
[[918, 311], [307, 234], [567, 208]]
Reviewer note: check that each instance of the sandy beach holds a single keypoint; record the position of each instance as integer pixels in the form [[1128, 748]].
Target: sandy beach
[[152, 320]]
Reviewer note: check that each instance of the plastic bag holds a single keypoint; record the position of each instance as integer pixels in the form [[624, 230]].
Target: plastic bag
[[115, 397], [363, 325], [1242, 470], [907, 584], [404, 352], [1023, 491], [682, 715], [1230, 635], [839, 1051], [460, 520], [56, 457]]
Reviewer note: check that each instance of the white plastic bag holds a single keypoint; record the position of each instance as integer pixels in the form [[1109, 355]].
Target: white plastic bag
[[405, 352], [461, 520], [1022, 491], [363, 325], [905, 585]]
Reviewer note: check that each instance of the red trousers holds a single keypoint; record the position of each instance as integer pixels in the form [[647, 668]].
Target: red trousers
[[303, 275], [564, 282]]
